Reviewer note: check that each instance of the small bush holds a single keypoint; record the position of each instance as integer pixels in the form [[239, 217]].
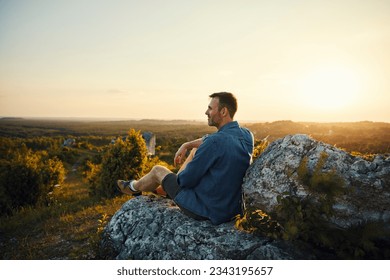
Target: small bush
[[122, 160], [258, 222], [27, 179], [259, 147], [328, 183]]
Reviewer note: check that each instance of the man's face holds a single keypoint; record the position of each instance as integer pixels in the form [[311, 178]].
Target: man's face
[[213, 114]]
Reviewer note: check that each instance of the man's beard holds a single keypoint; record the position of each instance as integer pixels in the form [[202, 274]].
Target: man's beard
[[212, 122]]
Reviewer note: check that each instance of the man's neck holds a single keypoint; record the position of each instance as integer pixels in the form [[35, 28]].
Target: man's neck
[[224, 122]]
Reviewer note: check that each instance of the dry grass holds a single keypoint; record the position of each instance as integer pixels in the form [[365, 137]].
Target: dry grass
[[67, 229]]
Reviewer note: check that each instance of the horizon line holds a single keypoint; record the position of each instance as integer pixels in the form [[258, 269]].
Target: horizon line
[[174, 120]]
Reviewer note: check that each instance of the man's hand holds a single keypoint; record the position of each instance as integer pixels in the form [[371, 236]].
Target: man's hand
[[180, 155]]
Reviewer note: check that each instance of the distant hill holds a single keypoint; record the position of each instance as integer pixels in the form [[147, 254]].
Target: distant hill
[[10, 118]]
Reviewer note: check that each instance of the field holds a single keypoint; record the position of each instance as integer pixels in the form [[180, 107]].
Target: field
[[69, 226], [363, 137]]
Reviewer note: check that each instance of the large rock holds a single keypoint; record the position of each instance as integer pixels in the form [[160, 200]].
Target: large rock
[[274, 173], [152, 228]]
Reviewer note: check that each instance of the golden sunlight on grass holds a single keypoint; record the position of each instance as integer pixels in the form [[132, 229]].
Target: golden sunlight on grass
[[68, 229]]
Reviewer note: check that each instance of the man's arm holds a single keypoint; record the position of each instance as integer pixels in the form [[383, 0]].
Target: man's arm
[[181, 152]]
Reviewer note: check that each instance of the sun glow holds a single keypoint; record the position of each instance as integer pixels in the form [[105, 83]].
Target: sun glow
[[329, 88]]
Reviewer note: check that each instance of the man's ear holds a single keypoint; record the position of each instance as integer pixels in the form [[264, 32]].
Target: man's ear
[[224, 111]]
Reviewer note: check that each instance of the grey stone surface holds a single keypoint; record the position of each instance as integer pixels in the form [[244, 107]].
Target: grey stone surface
[[366, 183], [152, 228]]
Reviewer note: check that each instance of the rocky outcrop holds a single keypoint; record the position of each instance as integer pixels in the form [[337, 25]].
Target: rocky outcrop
[[152, 228], [149, 227], [366, 184]]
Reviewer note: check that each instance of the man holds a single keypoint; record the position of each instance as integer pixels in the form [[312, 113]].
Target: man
[[209, 186]]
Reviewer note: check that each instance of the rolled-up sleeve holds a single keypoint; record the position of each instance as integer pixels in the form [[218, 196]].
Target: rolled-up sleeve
[[204, 158]]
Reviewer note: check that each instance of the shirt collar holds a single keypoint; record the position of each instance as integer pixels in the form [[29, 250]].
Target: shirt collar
[[231, 124]]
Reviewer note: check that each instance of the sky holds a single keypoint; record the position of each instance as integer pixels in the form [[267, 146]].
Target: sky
[[301, 60]]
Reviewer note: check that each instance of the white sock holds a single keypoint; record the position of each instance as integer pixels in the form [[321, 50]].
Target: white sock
[[132, 186]]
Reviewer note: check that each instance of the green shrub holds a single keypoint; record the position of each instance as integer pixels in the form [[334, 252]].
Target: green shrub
[[27, 179], [328, 183], [92, 175], [122, 160], [258, 222], [52, 173], [259, 147]]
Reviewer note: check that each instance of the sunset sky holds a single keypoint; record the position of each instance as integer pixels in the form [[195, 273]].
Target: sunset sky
[[284, 60]]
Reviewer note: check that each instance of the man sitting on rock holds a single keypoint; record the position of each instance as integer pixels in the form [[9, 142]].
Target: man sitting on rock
[[209, 183]]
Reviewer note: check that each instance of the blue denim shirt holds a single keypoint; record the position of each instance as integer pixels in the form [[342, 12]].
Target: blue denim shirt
[[211, 182]]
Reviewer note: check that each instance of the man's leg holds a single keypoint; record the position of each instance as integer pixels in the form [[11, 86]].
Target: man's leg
[[152, 180], [160, 189], [147, 183]]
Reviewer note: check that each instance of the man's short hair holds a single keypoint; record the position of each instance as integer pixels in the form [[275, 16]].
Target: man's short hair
[[228, 100]]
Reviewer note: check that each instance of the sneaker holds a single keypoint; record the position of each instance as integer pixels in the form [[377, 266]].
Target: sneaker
[[124, 187]]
